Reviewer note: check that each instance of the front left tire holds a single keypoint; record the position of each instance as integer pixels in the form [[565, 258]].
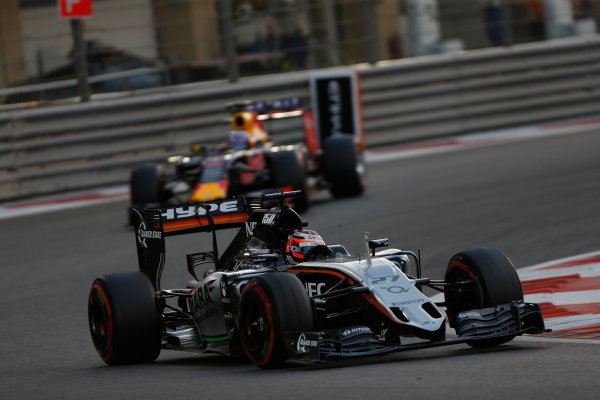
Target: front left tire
[[271, 305]]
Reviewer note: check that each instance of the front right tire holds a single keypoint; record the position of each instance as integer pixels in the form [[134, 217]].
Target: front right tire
[[495, 282]]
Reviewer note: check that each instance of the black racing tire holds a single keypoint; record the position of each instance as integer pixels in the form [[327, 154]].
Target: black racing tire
[[270, 305], [496, 283], [124, 320], [146, 184], [288, 169], [343, 166]]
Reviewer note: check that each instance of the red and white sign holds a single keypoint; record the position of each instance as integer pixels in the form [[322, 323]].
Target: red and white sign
[[75, 8]]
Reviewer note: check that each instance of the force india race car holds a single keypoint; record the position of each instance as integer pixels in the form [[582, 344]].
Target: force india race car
[[249, 163], [254, 300]]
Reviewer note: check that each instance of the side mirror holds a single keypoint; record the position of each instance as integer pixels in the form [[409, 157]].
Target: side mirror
[[377, 243]]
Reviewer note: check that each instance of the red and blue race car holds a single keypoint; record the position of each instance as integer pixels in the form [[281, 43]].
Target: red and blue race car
[[249, 163]]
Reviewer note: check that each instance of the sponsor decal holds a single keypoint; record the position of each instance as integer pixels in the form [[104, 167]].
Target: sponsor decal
[[469, 314], [397, 289], [265, 258], [269, 218], [407, 302], [202, 298], [313, 288], [355, 331], [250, 228], [382, 279], [224, 298], [215, 208], [261, 251], [335, 108], [143, 234], [335, 103], [303, 343]]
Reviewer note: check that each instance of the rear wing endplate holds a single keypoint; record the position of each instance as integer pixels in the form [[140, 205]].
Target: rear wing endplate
[[152, 225]]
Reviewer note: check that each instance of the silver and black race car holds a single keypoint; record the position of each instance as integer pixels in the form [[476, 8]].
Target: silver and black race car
[[255, 298]]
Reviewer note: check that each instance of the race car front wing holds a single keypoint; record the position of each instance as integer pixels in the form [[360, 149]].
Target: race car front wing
[[504, 321]]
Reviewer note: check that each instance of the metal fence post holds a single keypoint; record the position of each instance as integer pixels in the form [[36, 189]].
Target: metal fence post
[[323, 34], [228, 40], [80, 58], [507, 21], [371, 34]]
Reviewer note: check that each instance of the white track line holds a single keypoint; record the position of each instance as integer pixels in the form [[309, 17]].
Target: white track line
[[63, 202]]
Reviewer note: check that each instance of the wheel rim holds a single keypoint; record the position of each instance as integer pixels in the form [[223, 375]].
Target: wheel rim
[[467, 298], [100, 321], [256, 325]]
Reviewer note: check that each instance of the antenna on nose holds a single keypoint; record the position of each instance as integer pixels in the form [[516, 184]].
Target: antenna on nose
[[368, 250]]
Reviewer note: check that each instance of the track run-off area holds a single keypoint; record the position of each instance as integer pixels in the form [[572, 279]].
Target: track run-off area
[[532, 192]]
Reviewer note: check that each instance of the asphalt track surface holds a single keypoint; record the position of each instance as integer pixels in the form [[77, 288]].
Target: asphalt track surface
[[536, 200]]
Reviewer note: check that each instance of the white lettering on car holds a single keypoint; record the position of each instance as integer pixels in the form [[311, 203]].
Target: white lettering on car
[[313, 288], [333, 90], [250, 228], [180, 212], [229, 206], [303, 342], [143, 234], [268, 219], [168, 214]]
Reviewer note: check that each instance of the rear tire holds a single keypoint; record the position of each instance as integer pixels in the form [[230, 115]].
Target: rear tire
[[147, 184], [271, 305], [496, 282], [288, 169], [123, 318], [343, 166]]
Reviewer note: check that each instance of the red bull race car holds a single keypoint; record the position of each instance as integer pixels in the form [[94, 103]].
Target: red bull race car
[[250, 163], [279, 293], [330, 157]]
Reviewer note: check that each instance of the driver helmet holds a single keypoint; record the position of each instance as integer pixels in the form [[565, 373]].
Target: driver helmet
[[239, 140], [300, 242]]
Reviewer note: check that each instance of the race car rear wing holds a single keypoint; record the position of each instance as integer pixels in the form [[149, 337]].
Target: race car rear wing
[[152, 225], [333, 108]]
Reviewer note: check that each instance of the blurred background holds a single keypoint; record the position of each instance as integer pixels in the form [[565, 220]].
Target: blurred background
[[85, 100], [167, 42]]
